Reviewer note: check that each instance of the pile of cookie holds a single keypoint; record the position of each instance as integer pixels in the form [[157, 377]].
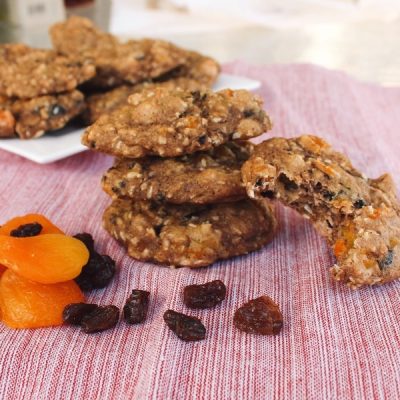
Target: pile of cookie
[[87, 73], [178, 197]]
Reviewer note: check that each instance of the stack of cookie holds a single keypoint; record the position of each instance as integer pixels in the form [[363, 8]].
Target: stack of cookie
[[122, 67], [38, 90], [178, 198]]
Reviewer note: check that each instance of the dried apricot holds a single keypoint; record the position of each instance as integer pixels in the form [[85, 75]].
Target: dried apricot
[[2, 269], [48, 258], [27, 304], [15, 223]]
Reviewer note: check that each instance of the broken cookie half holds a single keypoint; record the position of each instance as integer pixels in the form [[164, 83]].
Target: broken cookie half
[[359, 217]]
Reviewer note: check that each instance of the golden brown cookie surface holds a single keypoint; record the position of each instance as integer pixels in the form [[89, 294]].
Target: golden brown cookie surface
[[103, 103], [27, 73], [170, 123]]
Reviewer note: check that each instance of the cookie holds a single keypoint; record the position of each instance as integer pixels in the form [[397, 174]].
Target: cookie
[[359, 217], [116, 62], [198, 67], [33, 117], [200, 178], [201, 68], [26, 72], [171, 123], [102, 103], [188, 235]]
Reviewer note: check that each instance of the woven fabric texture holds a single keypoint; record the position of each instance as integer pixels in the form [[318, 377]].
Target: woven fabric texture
[[335, 344]]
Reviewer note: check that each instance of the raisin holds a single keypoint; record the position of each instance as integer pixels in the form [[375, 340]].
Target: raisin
[[157, 229], [260, 316], [318, 186], [259, 182], [269, 194], [56, 110], [135, 309], [207, 295], [248, 113], [288, 184], [360, 203], [100, 319], [202, 139], [99, 270], [87, 240], [27, 230], [97, 273], [198, 97], [73, 314], [187, 328], [387, 260], [328, 195]]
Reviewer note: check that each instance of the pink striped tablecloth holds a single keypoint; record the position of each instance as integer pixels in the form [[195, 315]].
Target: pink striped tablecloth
[[335, 344]]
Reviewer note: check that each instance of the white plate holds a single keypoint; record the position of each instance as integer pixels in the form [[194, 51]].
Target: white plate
[[64, 143]]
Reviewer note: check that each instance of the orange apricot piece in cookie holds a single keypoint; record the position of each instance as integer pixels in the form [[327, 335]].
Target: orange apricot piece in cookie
[[28, 304], [47, 258], [14, 223]]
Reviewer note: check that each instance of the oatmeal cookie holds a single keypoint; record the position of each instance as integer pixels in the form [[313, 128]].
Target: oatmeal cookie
[[359, 217], [33, 117], [200, 178], [116, 62], [170, 123], [188, 235], [198, 67], [26, 72], [102, 103]]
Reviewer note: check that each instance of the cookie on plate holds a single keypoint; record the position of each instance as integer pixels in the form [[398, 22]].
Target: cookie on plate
[[116, 62], [359, 217], [103, 103], [171, 123], [188, 235], [31, 118], [27, 73], [198, 67], [200, 178]]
